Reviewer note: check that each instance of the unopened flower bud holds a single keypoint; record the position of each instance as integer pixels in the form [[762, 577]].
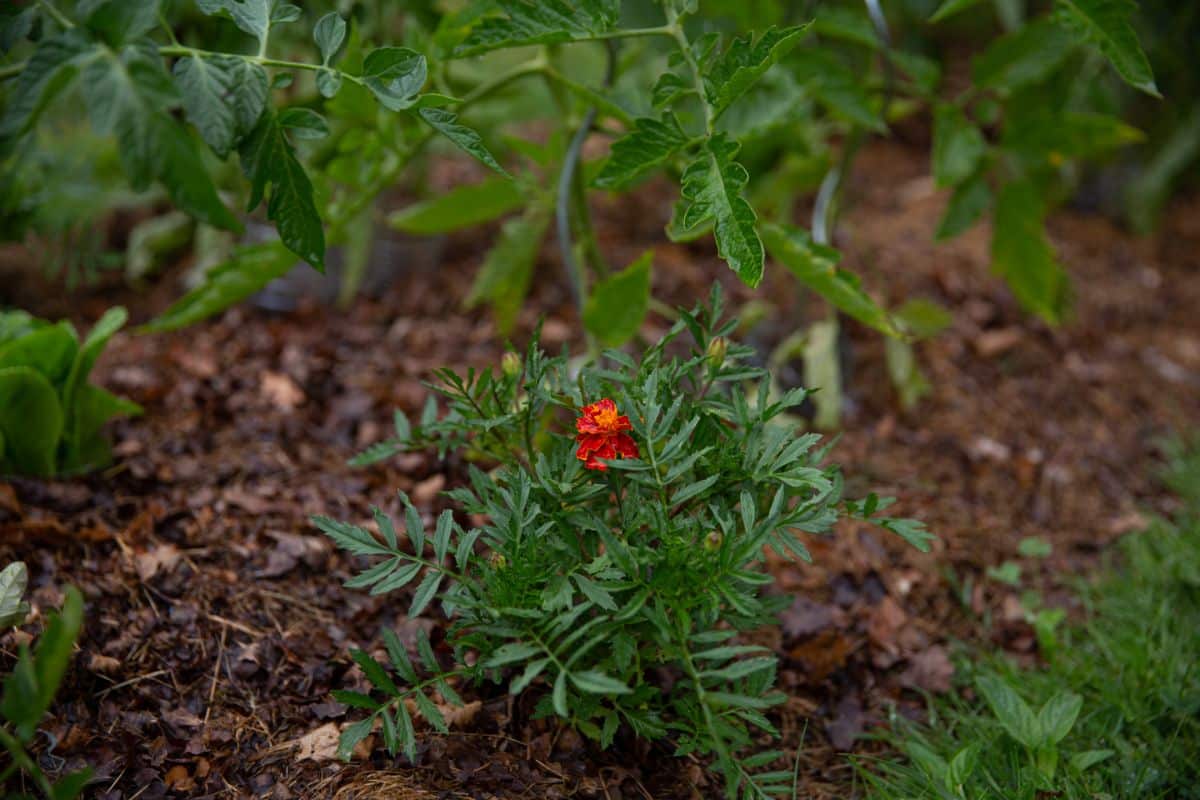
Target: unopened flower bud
[[713, 540], [497, 560], [511, 364], [716, 352]]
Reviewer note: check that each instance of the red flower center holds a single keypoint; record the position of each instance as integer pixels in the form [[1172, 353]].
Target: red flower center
[[602, 435]]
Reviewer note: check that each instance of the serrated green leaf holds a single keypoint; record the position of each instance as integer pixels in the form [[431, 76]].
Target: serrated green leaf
[[248, 270], [526, 22], [816, 266], [374, 671], [503, 280], [711, 189], [744, 62], [1023, 57], [329, 33], [441, 537], [594, 682], [119, 21], [648, 145], [511, 652], [255, 17], [740, 669], [352, 735], [532, 670], [425, 593], [461, 207], [395, 75], [1022, 254], [430, 712], [398, 655], [958, 146], [356, 699], [446, 123], [223, 97], [48, 71], [595, 592], [357, 541], [970, 199], [617, 305], [558, 696], [268, 158], [1108, 25]]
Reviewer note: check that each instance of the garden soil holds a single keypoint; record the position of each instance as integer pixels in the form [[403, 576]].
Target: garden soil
[[217, 624]]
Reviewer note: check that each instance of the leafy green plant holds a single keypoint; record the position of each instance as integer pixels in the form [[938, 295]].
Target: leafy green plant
[[29, 689], [622, 541], [51, 418]]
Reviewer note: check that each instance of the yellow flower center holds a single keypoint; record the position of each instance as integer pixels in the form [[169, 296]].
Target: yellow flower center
[[607, 418]]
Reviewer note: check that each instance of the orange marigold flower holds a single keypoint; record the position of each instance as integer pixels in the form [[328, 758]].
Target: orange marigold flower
[[602, 435]]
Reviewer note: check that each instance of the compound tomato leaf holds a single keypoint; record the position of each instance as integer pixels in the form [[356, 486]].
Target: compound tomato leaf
[[711, 188], [1107, 24], [744, 62], [48, 71], [446, 123], [223, 97], [249, 269], [395, 75], [648, 145], [268, 157], [548, 22]]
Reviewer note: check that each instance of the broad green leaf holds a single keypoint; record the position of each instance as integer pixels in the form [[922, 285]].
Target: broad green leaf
[[255, 17], [1012, 712], [949, 8], [77, 412], [958, 146], [248, 270], [94, 407], [48, 71], [268, 157], [594, 682], [617, 305], [396, 76], [13, 580], [711, 188], [126, 95], [461, 207], [446, 123], [970, 199], [1023, 57], [816, 266], [31, 422], [1108, 25], [223, 97], [736, 70], [526, 22], [649, 144], [329, 33], [1058, 716], [119, 21], [50, 349], [503, 280], [1022, 255], [1056, 135], [304, 123]]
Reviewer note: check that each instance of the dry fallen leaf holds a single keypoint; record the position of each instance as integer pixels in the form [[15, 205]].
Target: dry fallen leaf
[[160, 558], [929, 670], [319, 744], [281, 391]]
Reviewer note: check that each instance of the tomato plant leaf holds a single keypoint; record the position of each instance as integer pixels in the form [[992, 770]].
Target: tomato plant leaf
[[1022, 254], [970, 199], [649, 144], [47, 72], [744, 62], [1107, 25], [1022, 57], [255, 17], [223, 97], [526, 22], [119, 21], [304, 123], [617, 305], [268, 157], [816, 266], [395, 75], [958, 146], [461, 207], [711, 188], [836, 87], [446, 123]]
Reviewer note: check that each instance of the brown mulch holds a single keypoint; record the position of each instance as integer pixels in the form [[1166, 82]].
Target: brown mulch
[[217, 624]]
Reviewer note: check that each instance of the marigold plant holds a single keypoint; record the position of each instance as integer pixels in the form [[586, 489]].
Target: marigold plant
[[617, 566]]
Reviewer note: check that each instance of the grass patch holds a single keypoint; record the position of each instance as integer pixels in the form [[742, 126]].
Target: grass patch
[[1113, 713]]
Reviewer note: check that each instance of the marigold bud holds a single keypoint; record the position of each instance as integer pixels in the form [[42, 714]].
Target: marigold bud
[[713, 540], [716, 352], [511, 364], [497, 560]]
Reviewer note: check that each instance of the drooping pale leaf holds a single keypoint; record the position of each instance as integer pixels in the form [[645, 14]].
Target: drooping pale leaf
[[248, 270], [31, 422], [744, 62], [504, 278], [268, 158], [970, 199], [329, 33], [223, 97], [1055, 134], [617, 305], [1108, 25], [949, 8], [816, 266], [461, 207], [1025, 56], [127, 94], [711, 188], [526, 22], [1022, 255], [446, 123], [14, 578], [304, 123], [958, 146], [649, 144], [396, 76]]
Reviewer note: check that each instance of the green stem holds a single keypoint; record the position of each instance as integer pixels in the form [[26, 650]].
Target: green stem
[[12, 70], [22, 760], [59, 17], [685, 50], [181, 50]]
